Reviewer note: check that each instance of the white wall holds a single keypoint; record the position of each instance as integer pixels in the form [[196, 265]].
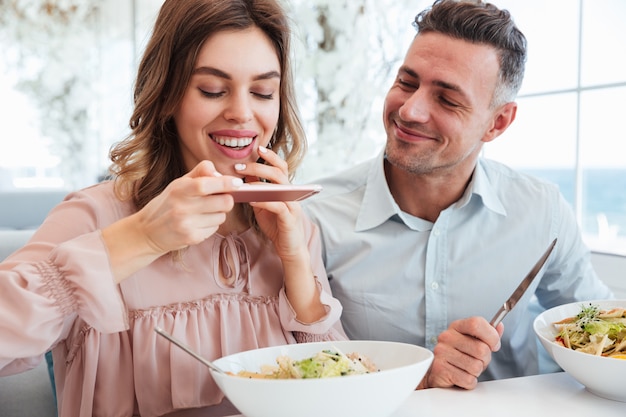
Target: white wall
[[612, 270]]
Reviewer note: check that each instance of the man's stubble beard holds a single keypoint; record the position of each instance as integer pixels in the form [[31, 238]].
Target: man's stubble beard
[[403, 157]]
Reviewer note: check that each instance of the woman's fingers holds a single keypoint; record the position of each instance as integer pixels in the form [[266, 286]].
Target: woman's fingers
[[190, 209], [204, 179], [275, 170]]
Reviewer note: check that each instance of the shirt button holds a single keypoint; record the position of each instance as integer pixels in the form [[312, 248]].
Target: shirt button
[[436, 232], [433, 340], [434, 286]]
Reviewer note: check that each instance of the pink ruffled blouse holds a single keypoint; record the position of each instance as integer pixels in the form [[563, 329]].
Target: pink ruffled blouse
[[225, 296]]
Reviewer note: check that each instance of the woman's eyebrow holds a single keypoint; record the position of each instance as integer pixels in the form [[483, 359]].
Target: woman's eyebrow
[[267, 75], [221, 74]]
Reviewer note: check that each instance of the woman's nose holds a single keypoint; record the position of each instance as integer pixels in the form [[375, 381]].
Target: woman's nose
[[416, 107], [239, 108]]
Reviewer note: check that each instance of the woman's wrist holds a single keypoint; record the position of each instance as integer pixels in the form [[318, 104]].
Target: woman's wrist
[[127, 247]]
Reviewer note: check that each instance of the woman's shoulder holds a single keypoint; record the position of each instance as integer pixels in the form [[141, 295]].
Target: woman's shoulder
[[102, 195], [101, 190], [98, 201]]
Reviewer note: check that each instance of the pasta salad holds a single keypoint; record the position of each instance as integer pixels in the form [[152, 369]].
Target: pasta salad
[[595, 331], [324, 364]]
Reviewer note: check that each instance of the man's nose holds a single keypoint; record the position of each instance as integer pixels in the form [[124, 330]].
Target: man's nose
[[416, 108]]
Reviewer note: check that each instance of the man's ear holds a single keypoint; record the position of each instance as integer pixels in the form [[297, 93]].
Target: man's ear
[[502, 120]]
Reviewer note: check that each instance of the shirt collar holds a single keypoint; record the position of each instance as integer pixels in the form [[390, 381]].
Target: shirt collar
[[481, 186], [378, 204]]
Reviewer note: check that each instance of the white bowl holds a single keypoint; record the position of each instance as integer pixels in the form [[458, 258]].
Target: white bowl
[[378, 394], [601, 376]]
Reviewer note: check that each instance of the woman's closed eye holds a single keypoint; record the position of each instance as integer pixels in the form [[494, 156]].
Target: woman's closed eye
[[218, 94], [268, 96], [211, 94]]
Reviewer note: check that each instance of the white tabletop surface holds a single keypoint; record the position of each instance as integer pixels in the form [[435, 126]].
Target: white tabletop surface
[[549, 395]]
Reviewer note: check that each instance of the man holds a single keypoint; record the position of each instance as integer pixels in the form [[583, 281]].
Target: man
[[428, 234]]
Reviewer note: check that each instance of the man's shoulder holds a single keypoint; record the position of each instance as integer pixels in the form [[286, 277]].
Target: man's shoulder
[[501, 175], [343, 183]]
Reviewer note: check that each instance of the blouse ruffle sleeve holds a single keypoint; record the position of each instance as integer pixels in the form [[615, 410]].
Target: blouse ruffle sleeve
[[61, 274], [81, 279]]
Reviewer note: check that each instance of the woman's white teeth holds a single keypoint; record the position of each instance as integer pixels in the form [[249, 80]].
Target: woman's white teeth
[[234, 142]]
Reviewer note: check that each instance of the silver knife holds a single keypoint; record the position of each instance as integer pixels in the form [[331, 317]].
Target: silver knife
[[521, 289]]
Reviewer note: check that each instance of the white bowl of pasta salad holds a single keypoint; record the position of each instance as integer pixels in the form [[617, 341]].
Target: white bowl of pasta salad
[[330, 379], [588, 341]]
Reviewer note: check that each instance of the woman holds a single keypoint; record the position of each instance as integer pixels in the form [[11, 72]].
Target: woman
[[163, 244]]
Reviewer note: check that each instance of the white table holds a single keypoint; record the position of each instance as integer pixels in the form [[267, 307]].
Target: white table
[[549, 395]]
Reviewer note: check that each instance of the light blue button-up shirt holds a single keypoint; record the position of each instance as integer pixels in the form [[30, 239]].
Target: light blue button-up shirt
[[406, 279]]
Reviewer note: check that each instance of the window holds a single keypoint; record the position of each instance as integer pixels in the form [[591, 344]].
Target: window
[[568, 128]]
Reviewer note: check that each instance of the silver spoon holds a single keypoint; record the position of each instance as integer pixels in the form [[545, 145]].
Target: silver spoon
[[188, 350]]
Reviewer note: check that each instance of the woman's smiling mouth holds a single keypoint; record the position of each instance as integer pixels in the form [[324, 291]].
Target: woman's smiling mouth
[[235, 143]]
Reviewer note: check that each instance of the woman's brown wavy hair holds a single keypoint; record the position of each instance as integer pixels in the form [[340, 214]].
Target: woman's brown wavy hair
[[146, 161]]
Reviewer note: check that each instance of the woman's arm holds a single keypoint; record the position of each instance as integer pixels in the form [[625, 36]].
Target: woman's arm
[[62, 273], [188, 211]]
